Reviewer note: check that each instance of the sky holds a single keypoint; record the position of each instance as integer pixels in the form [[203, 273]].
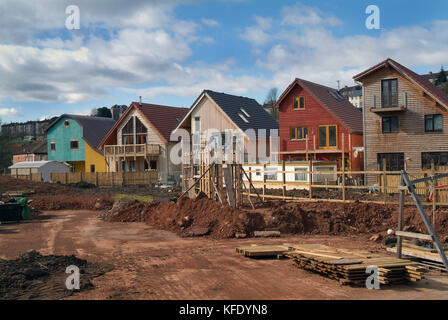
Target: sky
[[168, 51]]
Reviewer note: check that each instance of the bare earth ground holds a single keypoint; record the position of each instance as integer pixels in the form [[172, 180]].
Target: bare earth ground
[[154, 264]]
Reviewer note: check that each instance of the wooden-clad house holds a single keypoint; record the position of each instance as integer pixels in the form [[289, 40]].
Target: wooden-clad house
[[74, 139], [140, 140], [317, 123], [225, 112], [406, 119]]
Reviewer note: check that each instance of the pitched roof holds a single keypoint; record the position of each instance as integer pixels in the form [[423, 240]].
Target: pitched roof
[[331, 100], [432, 76], [436, 93], [163, 118], [39, 147], [93, 128], [32, 164], [245, 112]]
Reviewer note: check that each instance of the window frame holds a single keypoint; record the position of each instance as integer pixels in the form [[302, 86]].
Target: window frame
[[327, 134], [296, 131], [77, 145], [389, 93], [400, 156], [433, 122], [390, 117], [298, 99], [52, 146]]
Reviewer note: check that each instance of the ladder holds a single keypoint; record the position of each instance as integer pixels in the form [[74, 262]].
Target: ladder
[[407, 185]]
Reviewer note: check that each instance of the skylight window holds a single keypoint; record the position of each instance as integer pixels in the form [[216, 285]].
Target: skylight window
[[336, 95], [242, 117], [245, 113]]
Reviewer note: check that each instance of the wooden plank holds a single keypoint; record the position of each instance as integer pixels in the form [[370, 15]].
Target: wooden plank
[[414, 235]]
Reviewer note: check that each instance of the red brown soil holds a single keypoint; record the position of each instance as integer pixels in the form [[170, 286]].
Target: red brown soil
[[293, 218], [186, 216], [349, 218], [8, 183], [72, 202]]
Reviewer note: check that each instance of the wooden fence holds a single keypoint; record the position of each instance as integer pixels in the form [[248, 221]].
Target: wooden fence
[[37, 177], [387, 183], [107, 178]]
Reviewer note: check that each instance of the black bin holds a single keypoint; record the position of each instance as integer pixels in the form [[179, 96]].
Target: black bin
[[10, 212]]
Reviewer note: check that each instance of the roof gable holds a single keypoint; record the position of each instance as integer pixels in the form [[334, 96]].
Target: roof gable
[[163, 119], [332, 101], [429, 88], [245, 113], [93, 128]]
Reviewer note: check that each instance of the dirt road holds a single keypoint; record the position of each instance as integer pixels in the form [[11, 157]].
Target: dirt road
[[154, 264]]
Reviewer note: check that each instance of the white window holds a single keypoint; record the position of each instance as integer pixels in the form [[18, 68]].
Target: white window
[[300, 174]]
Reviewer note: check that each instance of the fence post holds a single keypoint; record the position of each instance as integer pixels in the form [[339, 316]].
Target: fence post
[[343, 180], [400, 217], [264, 180], [310, 179], [384, 181], [434, 195], [284, 179]]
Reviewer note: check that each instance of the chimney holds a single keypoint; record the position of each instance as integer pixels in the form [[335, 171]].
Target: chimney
[[140, 101]]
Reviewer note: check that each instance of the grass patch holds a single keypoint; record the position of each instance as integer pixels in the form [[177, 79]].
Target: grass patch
[[133, 197]]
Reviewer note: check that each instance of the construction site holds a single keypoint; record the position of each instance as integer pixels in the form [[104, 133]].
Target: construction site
[[219, 231]]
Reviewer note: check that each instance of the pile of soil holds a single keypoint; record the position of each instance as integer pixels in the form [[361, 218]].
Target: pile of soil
[[322, 193], [72, 202], [188, 217], [349, 218], [8, 183], [34, 276]]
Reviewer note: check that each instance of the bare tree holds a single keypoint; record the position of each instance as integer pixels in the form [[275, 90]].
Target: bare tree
[[270, 101]]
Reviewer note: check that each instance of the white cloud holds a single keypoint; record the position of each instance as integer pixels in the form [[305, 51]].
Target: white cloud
[[257, 34], [210, 22], [302, 15], [10, 112]]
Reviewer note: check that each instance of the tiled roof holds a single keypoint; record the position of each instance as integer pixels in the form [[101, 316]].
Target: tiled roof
[[330, 99], [438, 94], [94, 129], [245, 112], [163, 118], [38, 147]]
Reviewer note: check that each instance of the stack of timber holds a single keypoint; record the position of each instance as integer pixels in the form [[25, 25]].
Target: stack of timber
[[425, 256], [349, 266], [346, 266], [263, 251]]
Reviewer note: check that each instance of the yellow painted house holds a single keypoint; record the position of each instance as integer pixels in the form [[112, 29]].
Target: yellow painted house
[[74, 139]]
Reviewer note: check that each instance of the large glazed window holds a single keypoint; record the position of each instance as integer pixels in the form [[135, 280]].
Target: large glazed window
[[328, 136], [389, 93]]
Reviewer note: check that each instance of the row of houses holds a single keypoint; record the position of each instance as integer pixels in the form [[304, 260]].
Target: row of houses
[[402, 123]]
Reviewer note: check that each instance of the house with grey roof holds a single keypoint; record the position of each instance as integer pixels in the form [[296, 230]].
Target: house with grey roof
[[223, 120], [74, 139]]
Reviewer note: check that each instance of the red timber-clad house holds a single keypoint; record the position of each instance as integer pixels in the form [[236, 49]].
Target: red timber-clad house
[[317, 123]]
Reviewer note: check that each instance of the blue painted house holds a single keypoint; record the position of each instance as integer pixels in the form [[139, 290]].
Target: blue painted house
[[74, 139]]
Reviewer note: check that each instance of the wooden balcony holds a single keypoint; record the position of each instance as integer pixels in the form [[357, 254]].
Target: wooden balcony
[[131, 150]]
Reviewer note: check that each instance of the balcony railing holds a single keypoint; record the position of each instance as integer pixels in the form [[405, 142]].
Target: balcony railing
[[132, 150]]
